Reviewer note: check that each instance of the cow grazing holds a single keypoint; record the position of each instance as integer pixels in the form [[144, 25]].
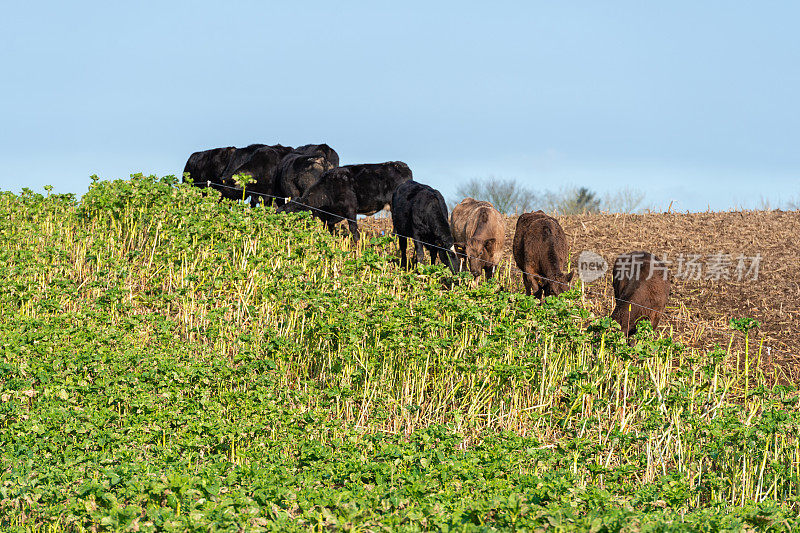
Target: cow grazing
[[420, 213], [540, 251], [258, 161], [208, 165], [641, 289], [344, 192], [300, 169], [479, 233]]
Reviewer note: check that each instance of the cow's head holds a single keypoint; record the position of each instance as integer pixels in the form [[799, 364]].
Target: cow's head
[[401, 168], [315, 165], [558, 285], [317, 197], [480, 254], [222, 158]]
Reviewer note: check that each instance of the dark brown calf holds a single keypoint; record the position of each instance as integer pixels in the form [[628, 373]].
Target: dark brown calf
[[641, 289], [540, 251]]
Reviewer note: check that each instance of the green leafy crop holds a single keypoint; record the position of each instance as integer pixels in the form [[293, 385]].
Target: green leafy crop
[[172, 362]]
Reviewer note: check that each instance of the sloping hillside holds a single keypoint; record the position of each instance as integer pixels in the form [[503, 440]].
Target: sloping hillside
[[171, 362]]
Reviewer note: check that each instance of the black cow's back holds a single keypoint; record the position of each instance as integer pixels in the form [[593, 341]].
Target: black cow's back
[[375, 183], [303, 167], [345, 192], [259, 161], [419, 212], [322, 150], [420, 209], [208, 165]]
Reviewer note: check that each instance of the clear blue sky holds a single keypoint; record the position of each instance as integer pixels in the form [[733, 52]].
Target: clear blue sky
[[695, 102]]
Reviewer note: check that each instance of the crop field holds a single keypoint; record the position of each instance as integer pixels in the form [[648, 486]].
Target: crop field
[[172, 362], [699, 310]]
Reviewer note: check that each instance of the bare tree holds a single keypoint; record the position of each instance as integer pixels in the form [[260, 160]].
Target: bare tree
[[586, 201], [764, 204], [767, 204], [507, 196], [571, 201], [625, 200]]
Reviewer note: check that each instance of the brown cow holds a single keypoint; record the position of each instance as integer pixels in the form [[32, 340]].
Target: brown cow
[[540, 251], [641, 289], [479, 233]]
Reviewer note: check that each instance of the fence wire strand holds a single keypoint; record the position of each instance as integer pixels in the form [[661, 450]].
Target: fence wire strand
[[511, 267]]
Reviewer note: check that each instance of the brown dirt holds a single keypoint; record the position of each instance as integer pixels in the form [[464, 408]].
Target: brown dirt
[[698, 311]]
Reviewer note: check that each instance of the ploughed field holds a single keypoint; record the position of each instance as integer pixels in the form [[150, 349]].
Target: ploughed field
[[704, 251], [172, 362]]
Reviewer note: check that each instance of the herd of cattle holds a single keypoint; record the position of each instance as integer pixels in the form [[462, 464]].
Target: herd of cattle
[[309, 178]]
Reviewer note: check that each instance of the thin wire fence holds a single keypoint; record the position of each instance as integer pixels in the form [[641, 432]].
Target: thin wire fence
[[511, 267]]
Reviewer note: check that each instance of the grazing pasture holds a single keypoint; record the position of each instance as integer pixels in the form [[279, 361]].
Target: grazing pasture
[[699, 311], [172, 362]]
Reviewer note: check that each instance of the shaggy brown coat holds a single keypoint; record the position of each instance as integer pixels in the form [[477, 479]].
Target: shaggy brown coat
[[641, 289], [540, 251], [478, 233]]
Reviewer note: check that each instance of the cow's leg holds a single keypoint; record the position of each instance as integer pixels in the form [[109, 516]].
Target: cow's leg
[[403, 243], [531, 286], [349, 205], [330, 223], [419, 248], [542, 291], [434, 252], [353, 225]]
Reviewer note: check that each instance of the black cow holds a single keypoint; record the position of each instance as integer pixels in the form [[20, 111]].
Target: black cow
[[260, 162], [208, 165], [420, 213], [344, 192], [302, 168]]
